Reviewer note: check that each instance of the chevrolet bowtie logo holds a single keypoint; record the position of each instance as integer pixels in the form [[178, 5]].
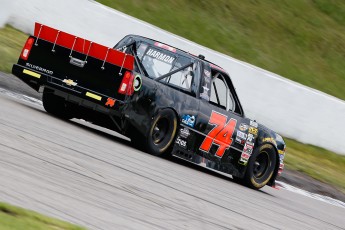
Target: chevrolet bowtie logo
[[69, 82]]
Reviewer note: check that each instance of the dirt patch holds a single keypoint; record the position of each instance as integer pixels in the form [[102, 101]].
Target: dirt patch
[[305, 182]]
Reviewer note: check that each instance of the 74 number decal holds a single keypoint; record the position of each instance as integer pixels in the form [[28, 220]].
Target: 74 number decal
[[220, 135]]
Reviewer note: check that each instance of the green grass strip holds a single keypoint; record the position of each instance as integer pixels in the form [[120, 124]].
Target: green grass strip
[[12, 218], [319, 163], [11, 44]]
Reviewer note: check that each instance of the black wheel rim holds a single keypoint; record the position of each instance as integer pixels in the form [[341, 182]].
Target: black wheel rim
[[261, 165], [160, 130]]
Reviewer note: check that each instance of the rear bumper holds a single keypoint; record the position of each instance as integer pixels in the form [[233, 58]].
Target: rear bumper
[[69, 90]]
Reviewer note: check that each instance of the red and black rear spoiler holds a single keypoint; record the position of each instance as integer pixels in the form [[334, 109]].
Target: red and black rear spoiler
[[83, 46]]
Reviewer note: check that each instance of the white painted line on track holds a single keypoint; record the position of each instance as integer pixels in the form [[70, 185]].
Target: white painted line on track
[[326, 199]]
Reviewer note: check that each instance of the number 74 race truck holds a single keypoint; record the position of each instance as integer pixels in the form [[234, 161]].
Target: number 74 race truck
[[166, 100]]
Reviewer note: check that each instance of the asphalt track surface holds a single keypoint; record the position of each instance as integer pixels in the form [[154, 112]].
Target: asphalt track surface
[[77, 172]]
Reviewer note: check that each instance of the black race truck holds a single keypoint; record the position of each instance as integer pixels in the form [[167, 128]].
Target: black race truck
[[166, 100]]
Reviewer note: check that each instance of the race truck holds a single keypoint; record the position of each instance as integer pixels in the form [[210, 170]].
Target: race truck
[[167, 101]]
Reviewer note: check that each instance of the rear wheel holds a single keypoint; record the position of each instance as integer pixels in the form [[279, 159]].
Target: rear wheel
[[260, 167], [161, 133], [55, 105]]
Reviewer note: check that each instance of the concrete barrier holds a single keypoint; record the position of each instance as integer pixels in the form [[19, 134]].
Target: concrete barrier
[[289, 108]]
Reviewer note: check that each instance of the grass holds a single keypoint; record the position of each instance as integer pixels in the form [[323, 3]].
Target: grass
[[319, 163], [11, 44], [300, 40], [12, 218]]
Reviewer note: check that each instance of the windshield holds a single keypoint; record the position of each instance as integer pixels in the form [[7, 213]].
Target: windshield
[[155, 61], [158, 62]]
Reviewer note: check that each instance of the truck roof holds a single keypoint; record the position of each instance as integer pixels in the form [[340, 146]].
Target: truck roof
[[175, 50]]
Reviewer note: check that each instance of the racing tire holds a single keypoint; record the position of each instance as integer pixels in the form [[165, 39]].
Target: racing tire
[[55, 105], [260, 167], [162, 133]]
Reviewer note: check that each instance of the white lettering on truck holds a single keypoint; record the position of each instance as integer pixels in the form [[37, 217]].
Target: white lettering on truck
[[160, 56]]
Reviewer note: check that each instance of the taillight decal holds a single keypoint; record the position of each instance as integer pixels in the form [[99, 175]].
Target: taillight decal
[[27, 48], [126, 86]]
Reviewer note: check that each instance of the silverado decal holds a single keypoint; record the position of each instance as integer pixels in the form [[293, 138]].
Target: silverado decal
[[39, 68]]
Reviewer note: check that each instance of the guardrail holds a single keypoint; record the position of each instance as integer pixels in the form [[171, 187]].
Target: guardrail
[[293, 110]]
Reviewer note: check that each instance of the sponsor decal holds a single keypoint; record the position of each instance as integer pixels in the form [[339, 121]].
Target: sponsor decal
[[247, 152], [254, 124], [110, 102], [181, 143], [248, 149], [243, 127], [241, 137], [160, 56], [253, 131], [270, 139], [69, 82], [184, 132], [250, 138], [39, 68], [188, 120]]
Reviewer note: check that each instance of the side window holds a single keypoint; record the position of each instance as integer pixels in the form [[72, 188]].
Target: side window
[[184, 78], [220, 93]]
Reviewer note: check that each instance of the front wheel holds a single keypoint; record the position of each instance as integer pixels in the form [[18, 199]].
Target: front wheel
[[260, 167], [161, 133]]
